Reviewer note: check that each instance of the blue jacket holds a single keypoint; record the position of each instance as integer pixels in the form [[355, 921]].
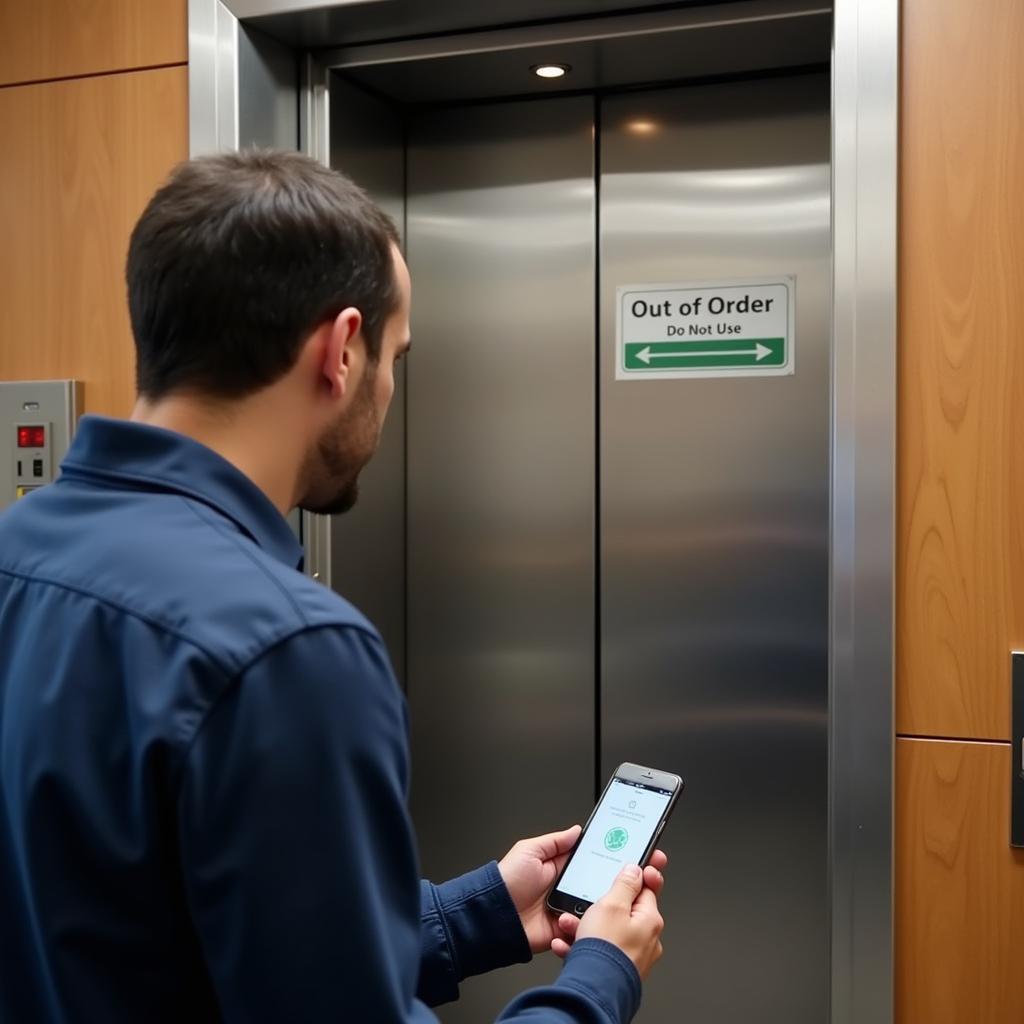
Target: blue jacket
[[203, 773]]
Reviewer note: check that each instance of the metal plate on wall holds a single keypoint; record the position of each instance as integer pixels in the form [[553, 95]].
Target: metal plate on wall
[[37, 421]]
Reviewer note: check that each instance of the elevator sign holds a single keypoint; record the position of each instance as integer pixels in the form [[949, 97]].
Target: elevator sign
[[736, 328]]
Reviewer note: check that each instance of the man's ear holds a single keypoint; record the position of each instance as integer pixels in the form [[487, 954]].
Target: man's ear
[[339, 350]]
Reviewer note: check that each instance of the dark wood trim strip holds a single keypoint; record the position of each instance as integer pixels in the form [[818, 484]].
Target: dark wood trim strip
[[94, 74], [950, 739]]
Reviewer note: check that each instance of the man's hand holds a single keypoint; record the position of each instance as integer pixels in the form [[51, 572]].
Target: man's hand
[[627, 916], [635, 943], [529, 870]]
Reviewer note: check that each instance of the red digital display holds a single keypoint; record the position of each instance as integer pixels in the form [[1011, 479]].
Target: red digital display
[[31, 437]]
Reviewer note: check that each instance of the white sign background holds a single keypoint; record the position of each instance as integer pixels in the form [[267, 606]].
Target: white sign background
[[777, 321]]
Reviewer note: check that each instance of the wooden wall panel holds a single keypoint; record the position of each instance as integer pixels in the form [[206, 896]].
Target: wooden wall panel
[[960, 584], [959, 886], [44, 39], [79, 161]]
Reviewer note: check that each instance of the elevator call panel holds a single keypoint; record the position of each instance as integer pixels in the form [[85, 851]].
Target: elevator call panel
[[37, 420]]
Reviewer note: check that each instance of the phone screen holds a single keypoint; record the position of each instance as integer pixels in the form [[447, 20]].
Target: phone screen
[[619, 832]]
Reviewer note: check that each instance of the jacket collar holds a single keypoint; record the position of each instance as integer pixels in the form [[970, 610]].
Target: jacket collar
[[150, 458]]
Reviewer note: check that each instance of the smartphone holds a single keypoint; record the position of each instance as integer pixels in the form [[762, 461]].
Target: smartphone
[[622, 829]]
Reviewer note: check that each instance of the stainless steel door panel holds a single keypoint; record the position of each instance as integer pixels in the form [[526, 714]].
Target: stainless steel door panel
[[501, 467], [714, 546]]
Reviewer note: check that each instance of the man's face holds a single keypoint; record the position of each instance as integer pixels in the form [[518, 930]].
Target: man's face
[[347, 445]]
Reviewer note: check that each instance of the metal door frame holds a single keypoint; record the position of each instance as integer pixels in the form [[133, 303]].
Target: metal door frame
[[865, 107]]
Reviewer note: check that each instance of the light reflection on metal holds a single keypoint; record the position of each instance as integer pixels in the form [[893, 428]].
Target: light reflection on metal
[[640, 126]]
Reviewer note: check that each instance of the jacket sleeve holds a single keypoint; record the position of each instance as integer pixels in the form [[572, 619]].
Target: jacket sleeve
[[469, 926], [598, 985]]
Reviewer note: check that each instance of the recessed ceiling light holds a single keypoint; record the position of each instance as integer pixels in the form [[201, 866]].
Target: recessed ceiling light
[[550, 70]]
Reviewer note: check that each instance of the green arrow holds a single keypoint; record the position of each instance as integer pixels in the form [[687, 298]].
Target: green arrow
[[722, 354], [759, 351]]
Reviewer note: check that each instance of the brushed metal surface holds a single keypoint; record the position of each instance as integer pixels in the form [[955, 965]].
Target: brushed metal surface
[[268, 93], [714, 547], [213, 83], [367, 545], [865, 89], [314, 108], [256, 8], [501, 462]]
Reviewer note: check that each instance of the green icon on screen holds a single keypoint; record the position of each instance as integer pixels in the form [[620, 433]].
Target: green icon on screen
[[615, 839]]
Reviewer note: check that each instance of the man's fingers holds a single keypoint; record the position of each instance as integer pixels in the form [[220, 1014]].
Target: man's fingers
[[658, 860], [565, 840], [555, 843], [567, 925], [653, 879], [561, 860], [627, 884], [646, 902]]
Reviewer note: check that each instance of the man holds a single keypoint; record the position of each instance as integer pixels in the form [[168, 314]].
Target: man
[[203, 753]]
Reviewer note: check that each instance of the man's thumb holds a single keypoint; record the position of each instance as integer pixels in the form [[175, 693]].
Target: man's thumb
[[626, 886]]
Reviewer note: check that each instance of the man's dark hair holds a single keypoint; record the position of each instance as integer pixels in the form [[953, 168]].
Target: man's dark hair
[[238, 257]]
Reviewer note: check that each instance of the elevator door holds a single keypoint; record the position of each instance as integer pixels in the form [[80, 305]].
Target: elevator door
[[501, 455], [601, 570], [714, 543]]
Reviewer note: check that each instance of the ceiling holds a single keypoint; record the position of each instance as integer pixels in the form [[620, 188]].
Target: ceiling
[[364, 21], [611, 52]]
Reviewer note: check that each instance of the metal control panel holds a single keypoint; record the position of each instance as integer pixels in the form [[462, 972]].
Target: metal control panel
[[37, 421]]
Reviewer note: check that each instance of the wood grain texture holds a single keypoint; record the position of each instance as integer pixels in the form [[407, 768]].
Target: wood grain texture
[[959, 886], [45, 39], [960, 576], [80, 160]]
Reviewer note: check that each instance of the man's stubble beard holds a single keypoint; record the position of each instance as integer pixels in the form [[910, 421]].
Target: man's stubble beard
[[340, 454]]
